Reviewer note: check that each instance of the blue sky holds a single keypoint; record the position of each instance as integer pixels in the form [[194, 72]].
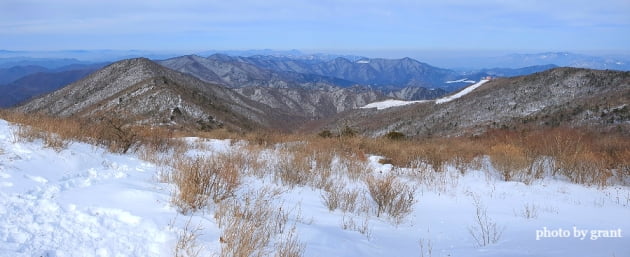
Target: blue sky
[[321, 25]]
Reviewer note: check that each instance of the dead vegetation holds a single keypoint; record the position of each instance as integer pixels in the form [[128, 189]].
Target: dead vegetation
[[250, 223], [580, 155], [201, 179], [391, 195]]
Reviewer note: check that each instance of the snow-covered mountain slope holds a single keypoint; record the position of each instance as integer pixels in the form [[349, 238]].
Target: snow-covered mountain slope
[[84, 201]]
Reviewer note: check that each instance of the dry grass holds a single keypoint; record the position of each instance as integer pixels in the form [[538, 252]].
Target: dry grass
[[391, 196], [187, 244], [294, 169], [509, 160], [349, 223], [290, 246], [581, 155], [249, 225], [201, 179], [336, 196]]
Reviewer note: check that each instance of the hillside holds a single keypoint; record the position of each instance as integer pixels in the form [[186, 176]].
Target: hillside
[[562, 96], [141, 90], [312, 104]]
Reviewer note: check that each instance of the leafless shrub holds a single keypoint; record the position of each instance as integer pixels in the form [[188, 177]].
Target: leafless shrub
[[509, 159], [55, 142], [200, 179], [336, 197], [187, 244], [426, 247], [485, 231], [290, 246], [529, 211], [248, 225], [391, 196], [348, 223], [23, 133], [353, 169], [294, 169]]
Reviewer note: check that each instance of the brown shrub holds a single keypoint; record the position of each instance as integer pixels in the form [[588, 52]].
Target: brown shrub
[[200, 179], [391, 196], [509, 159], [248, 225]]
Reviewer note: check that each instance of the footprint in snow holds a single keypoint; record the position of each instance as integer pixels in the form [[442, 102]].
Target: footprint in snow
[[37, 179], [5, 175]]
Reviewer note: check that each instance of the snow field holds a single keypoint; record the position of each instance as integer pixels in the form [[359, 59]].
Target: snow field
[[461, 93], [84, 201]]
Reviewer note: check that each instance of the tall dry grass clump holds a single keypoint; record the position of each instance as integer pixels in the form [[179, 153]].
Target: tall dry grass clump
[[250, 224], [201, 179], [337, 196], [294, 169], [391, 196], [290, 246], [510, 160]]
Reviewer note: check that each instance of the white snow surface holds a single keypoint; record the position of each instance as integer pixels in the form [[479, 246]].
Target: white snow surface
[[459, 94], [395, 103], [464, 80], [390, 103], [84, 201]]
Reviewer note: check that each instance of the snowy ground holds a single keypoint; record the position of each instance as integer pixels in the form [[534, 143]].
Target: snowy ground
[[459, 94], [84, 201], [390, 103]]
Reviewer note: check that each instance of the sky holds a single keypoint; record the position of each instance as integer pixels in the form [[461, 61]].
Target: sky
[[394, 26]]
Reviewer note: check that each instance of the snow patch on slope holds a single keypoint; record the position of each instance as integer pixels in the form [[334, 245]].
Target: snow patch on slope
[[460, 93], [391, 103], [464, 80]]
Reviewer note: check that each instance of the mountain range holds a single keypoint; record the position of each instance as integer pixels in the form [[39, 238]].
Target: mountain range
[[281, 93]]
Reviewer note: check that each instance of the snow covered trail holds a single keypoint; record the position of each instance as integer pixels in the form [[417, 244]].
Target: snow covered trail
[[82, 201]]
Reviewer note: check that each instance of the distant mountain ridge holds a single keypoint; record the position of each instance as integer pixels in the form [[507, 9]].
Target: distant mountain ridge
[[561, 59], [379, 73], [34, 85], [229, 71]]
